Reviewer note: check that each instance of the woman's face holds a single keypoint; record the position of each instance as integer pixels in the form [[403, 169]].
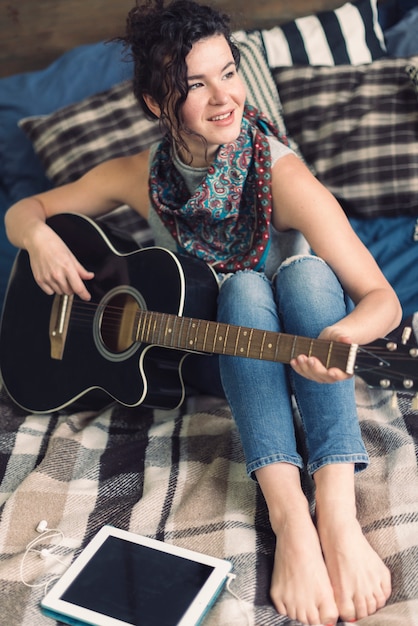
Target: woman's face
[[215, 100]]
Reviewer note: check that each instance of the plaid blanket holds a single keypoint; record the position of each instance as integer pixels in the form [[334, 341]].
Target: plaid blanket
[[179, 476]]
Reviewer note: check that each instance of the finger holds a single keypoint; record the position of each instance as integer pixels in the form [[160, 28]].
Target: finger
[[79, 289]]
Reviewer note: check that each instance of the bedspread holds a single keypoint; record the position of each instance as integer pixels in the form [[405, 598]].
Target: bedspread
[[179, 476]]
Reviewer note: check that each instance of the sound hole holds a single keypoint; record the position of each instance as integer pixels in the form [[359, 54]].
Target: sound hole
[[118, 322]]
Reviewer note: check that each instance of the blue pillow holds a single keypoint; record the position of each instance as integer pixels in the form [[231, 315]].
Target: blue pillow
[[401, 38], [77, 74], [393, 241]]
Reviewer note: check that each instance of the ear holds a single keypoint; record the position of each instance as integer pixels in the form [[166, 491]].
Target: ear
[[152, 105]]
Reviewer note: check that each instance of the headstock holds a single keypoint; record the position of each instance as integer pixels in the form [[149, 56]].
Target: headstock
[[391, 363]]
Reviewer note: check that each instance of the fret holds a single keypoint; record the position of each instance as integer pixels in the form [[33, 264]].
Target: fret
[[154, 326], [135, 330], [310, 348], [292, 353], [182, 343], [329, 354], [159, 339], [226, 338], [144, 319], [250, 338], [197, 327], [262, 344], [277, 350], [174, 334], [148, 327], [237, 340], [205, 338], [215, 337], [168, 330]]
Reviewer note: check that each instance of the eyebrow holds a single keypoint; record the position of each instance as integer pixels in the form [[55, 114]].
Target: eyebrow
[[197, 76]]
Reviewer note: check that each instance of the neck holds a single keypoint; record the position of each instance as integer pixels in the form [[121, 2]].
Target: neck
[[196, 156]]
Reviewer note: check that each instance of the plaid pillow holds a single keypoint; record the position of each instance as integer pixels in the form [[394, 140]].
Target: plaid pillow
[[358, 127], [72, 140], [350, 34]]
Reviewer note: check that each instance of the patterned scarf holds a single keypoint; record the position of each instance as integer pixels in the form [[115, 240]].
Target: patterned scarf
[[226, 221]]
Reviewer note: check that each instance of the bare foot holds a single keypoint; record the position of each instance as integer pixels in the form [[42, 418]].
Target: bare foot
[[301, 588], [360, 579]]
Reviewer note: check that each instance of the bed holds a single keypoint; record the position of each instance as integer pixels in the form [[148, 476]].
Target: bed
[[347, 100]]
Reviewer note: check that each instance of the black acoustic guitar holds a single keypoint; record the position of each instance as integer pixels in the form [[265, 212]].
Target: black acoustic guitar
[[150, 308]]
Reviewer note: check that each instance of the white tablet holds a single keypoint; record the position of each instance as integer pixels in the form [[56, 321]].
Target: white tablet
[[123, 579]]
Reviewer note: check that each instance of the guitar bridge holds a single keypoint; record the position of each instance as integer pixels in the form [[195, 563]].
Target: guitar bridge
[[58, 324]]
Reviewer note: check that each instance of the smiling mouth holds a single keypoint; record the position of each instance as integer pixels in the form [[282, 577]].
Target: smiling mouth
[[219, 118]]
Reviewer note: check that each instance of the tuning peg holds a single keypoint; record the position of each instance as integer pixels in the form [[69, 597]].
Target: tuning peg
[[406, 334]]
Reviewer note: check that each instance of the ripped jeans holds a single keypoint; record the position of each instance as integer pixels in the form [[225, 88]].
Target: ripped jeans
[[303, 298]]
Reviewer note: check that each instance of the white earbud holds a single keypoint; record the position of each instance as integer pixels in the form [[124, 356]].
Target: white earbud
[[46, 534], [42, 526]]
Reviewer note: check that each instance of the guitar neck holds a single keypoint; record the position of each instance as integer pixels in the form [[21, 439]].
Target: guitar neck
[[197, 335]]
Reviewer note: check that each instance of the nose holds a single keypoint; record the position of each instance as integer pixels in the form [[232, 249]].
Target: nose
[[218, 95]]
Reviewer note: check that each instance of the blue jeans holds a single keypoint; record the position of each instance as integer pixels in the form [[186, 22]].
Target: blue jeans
[[303, 298]]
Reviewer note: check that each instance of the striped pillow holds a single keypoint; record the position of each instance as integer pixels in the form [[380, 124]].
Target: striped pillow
[[350, 34], [261, 88], [358, 127]]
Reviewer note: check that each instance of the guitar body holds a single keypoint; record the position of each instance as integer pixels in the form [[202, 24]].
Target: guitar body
[[96, 365], [149, 309]]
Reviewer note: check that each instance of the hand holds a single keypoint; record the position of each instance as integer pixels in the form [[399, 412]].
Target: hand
[[313, 369], [55, 268]]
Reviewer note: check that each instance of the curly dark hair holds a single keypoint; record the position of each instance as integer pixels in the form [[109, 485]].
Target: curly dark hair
[[159, 38]]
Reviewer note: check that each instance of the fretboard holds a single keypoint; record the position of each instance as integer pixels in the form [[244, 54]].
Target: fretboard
[[197, 335]]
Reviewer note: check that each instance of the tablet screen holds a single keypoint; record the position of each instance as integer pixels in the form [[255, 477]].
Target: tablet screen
[[137, 584]]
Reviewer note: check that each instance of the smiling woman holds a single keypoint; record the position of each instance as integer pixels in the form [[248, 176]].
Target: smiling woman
[[215, 187]]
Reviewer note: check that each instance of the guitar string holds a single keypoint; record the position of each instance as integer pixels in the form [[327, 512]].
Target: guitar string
[[83, 313]]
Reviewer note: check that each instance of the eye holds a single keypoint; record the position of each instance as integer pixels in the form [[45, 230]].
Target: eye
[[229, 75], [194, 86]]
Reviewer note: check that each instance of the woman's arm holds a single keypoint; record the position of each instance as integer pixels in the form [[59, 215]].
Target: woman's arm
[[56, 270], [303, 203]]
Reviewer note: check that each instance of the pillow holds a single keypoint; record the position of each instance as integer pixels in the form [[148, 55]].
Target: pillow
[[75, 75], [74, 139], [401, 38], [358, 127], [350, 34], [261, 88]]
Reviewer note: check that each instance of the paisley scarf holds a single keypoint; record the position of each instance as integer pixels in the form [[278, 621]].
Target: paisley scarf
[[226, 220]]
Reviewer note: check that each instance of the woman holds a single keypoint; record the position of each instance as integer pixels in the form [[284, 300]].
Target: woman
[[213, 188]]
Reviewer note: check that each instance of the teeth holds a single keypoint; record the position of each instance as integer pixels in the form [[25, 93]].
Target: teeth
[[220, 117]]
